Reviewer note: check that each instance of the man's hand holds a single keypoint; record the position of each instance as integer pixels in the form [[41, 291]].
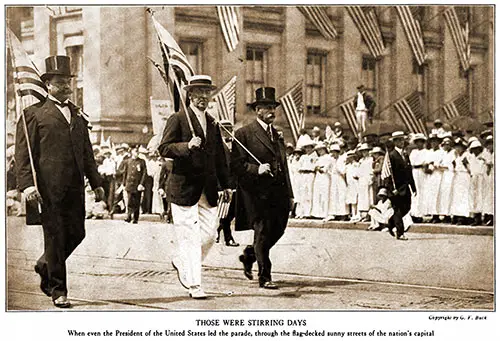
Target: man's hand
[[395, 192], [99, 193], [195, 142], [161, 192], [265, 168], [32, 195], [227, 195], [140, 188]]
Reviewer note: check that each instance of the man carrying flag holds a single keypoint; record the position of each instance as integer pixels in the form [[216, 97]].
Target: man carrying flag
[[53, 154], [397, 172], [193, 140]]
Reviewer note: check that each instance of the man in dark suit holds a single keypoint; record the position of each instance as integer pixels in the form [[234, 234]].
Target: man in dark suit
[[403, 181], [194, 142], [58, 137], [264, 195], [134, 176]]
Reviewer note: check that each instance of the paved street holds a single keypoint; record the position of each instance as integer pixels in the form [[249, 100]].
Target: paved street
[[122, 266]]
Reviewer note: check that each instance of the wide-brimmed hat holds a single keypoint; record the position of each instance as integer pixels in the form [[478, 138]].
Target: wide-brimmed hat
[[290, 145], [376, 150], [438, 121], [488, 139], [265, 96], [350, 153], [398, 135], [364, 146], [316, 128], [434, 137], [200, 81], [447, 140], [337, 124], [383, 192], [475, 144], [57, 65], [485, 133], [419, 137], [334, 148], [320, 145]]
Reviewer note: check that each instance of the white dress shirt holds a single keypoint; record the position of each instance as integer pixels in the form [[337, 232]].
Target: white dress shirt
[[200, 115], [265, 126], [63, 109], [360, 105]]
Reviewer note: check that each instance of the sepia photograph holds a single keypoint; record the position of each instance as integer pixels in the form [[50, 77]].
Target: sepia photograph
[[250, 158]]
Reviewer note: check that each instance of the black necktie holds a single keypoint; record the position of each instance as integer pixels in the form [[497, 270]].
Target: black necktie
[[65, 104], [270, 132]]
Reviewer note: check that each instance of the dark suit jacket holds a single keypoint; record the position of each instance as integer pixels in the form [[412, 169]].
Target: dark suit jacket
[[403, 178], [255, 194], [193, 170], [134, 174], [62, 152], [369, 103]]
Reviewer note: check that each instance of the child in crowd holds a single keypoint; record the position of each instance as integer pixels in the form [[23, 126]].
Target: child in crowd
[[381, 212]]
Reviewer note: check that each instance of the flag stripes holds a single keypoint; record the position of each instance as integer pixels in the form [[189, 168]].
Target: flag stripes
[[411, 113], [229, 23], [223, 207], [318, 16], [226, 101], [386, 167], [413, 32], [293, 107], [457, 107], [460, 36], [368, 26], [349, 112]]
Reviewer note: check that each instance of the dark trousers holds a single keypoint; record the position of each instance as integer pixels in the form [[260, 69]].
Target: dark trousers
[[134, 203], [401, 205], [63, 230], [225, 223], [109, 190], [147, 200]]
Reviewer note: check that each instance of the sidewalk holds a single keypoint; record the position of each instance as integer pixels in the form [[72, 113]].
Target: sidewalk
[[345, 225]]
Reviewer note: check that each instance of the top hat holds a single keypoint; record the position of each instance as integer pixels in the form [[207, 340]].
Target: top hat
[[265, 96], [200, 81], [56, 65]]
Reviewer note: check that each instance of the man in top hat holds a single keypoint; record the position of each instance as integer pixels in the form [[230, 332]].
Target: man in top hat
[[199, 166], [264, 193], [58, 138], [401, 182], [364, 105]]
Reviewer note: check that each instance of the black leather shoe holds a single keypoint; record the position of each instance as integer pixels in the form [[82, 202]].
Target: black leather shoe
[[247, 267], [232, 243], [128, 220], [391, 232], [134, 222], [44, 281], [62, 302], [268, 285]]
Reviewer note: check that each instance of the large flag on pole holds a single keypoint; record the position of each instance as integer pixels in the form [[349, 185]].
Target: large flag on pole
[[411, 113], [386, 167], [457, 107], [349, 112], [319, 18], [174, 59], [226, 101], [29, 87], [230, 25], [460, 36], [413, 32], [293, 107], [366, 21]]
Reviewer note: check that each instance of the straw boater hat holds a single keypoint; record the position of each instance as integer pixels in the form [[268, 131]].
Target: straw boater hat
[[200, 81], [419, 137], [438, 121], [350, 153], [265, 96], [364, 146], [376, 150], [56, 65], [334, 147], [398, 135], [382, 192], [447, 140]]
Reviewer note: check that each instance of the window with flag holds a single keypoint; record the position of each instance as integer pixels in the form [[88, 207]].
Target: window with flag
[[194, 54], [76, 54], [315, 82], [368, 73], [256, 71]]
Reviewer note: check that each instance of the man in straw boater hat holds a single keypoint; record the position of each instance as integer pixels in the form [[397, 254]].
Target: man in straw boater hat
[[264, 194], [400, 184], [53, 154], [194, 142]]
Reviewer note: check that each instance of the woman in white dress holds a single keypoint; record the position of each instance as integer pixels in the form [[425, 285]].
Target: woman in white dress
[[321, 187], [459, 206], [446, 186], [418, 158], [489, 181], [351, 173], [154, 168], [293, 168], [337, 208], [434, 176], [477, 167], [365, 174], [306, 176]]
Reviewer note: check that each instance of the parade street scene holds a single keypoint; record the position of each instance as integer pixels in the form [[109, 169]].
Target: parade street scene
[[281, 158]]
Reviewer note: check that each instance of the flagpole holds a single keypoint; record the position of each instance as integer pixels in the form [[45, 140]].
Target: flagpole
[[25, 125]]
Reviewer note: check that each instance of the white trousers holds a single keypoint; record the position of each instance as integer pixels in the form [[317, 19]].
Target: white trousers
[[195, 229], [361, 116]]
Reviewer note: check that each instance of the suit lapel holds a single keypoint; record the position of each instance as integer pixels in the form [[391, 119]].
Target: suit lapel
[[261, 135], [196, 124], [51, 109]]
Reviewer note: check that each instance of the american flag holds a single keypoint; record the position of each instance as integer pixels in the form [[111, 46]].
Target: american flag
[[293, 106], [411, 113], [222, 206], [177, 67], [29, 87], [460, 35], [349, 112], [226, 101], [386, 167], [229, 23], [318, 16], [457, 107], [366, 21], [411, 27]]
